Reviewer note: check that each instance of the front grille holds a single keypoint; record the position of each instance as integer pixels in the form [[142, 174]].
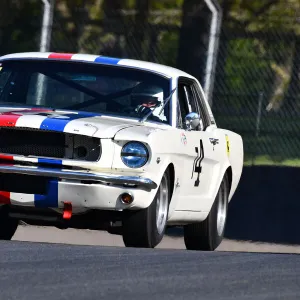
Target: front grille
[[42, 143], [31, 142]]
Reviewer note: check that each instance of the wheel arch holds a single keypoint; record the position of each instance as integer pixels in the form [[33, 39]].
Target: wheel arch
[[228, 172], [171, 169]]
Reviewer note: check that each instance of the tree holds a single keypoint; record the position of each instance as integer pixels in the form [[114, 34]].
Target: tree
[[271, 28], [194, 31], [19, 27]]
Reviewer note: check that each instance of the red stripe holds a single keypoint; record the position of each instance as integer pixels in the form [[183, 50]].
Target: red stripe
[[9, 120], [4, 197], [6, 157], [61, 55]]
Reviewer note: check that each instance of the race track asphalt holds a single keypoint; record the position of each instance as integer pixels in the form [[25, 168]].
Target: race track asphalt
[[40, 271]]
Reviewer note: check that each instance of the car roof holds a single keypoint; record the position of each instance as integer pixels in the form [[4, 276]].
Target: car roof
[[132, 63]]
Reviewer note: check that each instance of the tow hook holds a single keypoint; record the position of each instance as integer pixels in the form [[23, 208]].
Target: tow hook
[[67, 214]]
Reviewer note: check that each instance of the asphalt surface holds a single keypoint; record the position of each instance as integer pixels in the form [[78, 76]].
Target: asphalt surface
[[102, 238], [56, 271]]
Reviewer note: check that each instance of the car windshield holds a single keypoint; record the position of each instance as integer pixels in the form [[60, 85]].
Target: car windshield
[[110, 90]]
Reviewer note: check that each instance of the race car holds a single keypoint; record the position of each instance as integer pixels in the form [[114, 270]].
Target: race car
[[125, 146]]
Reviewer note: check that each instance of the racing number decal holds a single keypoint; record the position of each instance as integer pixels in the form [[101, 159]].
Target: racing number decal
[[197, 168], [227, 145]]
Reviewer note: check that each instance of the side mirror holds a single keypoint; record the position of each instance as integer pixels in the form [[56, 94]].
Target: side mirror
[[193, 122]]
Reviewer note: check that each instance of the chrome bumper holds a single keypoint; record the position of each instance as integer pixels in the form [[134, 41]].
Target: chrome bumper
[[79, 175]]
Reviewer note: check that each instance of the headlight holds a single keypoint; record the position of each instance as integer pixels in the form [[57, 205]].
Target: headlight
[[134, 154]]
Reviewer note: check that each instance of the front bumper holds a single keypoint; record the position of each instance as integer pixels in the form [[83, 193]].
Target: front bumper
[[83, 189], [80, 175]]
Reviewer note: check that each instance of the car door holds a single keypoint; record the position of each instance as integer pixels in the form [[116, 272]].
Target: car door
[[201, 151]]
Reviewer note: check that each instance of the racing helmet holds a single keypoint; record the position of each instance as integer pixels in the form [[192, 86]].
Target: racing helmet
[[147, 97]]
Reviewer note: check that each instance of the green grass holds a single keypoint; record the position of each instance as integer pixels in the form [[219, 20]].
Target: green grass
[[265, 160], [272, 124], [278, 142]]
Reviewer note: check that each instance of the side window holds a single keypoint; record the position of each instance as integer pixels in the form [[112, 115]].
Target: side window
[[201, 105], [192, 102], [182, 107], [179, 123]]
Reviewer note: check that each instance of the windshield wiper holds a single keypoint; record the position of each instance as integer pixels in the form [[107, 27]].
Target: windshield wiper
[[165, 101]]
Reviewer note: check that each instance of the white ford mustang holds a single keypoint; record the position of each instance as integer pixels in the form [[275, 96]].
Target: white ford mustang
[[121, 145]]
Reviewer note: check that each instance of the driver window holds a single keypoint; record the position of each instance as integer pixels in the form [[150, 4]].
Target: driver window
[[182, 108], [191, 100], [187, 102]]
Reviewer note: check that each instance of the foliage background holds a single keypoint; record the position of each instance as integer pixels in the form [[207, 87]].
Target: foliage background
[[258, 58]]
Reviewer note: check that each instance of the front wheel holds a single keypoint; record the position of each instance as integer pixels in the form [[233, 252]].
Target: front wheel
[[8, 226], [145, 228], [208, 235]]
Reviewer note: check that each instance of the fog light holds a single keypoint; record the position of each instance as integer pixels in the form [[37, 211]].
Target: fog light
[[80, 152], [126, 198]]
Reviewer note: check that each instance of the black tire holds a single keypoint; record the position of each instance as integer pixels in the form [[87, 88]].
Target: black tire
[[140, 227], [8, 226], [205, 236]]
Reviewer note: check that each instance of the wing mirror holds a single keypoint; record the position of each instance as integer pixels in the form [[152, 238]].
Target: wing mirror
[[193, 122]]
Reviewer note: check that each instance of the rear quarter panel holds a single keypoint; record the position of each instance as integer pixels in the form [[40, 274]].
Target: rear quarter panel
[[235, 154]]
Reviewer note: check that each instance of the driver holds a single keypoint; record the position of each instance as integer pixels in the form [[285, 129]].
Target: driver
[[147, 98], [148, 102]]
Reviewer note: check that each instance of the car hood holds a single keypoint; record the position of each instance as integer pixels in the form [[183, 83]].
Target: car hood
[[83, 123]]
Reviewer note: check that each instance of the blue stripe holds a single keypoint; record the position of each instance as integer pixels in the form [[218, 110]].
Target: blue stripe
[[50, 161], [59, 123], [49, 200], [107, 60]]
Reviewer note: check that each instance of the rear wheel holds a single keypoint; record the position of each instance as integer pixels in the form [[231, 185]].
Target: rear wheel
[[208, 235], [145, 228], [8, 226]]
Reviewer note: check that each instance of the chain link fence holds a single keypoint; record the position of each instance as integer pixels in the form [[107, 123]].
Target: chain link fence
[[257, 93], [152, 37], [257, 77]]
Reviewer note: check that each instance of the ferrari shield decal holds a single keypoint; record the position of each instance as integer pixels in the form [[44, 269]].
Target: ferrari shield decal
[[227, 145]]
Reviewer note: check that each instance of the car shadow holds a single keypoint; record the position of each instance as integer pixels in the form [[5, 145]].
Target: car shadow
[[265, 207]]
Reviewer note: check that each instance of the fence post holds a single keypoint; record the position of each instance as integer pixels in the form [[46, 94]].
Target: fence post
[[258, 117], [45, 42], [47, 25], [258, 120], [213, 47]]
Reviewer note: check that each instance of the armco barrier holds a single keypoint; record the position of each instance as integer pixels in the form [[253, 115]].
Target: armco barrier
[[265, 207]]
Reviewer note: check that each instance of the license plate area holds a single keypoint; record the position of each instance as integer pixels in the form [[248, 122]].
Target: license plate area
[[26, 184]]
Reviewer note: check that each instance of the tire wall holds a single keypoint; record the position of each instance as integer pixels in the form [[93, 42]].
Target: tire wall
[[265, 206]]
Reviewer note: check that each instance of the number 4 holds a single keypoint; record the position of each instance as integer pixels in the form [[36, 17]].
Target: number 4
[[197, 168]]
